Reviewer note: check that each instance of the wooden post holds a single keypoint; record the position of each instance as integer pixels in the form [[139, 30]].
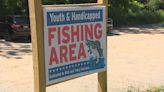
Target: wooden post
[[102, 76], [102, 2], [36, 22]]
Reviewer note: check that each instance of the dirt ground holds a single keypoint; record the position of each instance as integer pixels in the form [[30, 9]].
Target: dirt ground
[[135, 58]]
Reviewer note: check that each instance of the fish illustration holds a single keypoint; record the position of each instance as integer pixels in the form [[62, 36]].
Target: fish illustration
[[95, 50]]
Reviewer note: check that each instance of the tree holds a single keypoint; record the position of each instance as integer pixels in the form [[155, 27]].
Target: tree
[[119, 9], [154, 4], [12, 7]]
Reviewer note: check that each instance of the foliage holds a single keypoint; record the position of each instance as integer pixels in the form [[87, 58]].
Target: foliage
[[132, 12], [123, 12], [11, 7], [155, 4], [18, 7]]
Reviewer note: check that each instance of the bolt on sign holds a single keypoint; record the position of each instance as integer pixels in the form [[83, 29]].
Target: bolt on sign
[[74, 42]]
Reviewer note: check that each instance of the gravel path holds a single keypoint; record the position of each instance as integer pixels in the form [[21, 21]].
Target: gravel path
[[134, 59]]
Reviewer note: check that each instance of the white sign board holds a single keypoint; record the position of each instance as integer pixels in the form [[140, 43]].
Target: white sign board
[[74, 42]]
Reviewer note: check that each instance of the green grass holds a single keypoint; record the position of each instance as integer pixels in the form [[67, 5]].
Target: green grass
[[153, 89]]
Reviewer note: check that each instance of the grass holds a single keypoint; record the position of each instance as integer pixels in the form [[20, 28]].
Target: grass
[[153, 89]]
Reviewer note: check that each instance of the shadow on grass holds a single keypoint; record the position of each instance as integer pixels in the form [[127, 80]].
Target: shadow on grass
[[15, 49]]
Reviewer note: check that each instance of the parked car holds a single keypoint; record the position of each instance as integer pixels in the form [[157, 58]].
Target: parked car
[[110, 30], [110, 24], [14, 26]]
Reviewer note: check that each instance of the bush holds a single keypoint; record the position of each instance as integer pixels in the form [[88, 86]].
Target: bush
[[146, 17], [141, 17], [136, 13]]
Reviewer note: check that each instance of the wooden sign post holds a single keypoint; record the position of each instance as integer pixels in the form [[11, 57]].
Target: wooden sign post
[[102, 76], [36, 23], [37, 31]]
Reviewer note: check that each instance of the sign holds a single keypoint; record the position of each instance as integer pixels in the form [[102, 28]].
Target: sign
[[74, 42]]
